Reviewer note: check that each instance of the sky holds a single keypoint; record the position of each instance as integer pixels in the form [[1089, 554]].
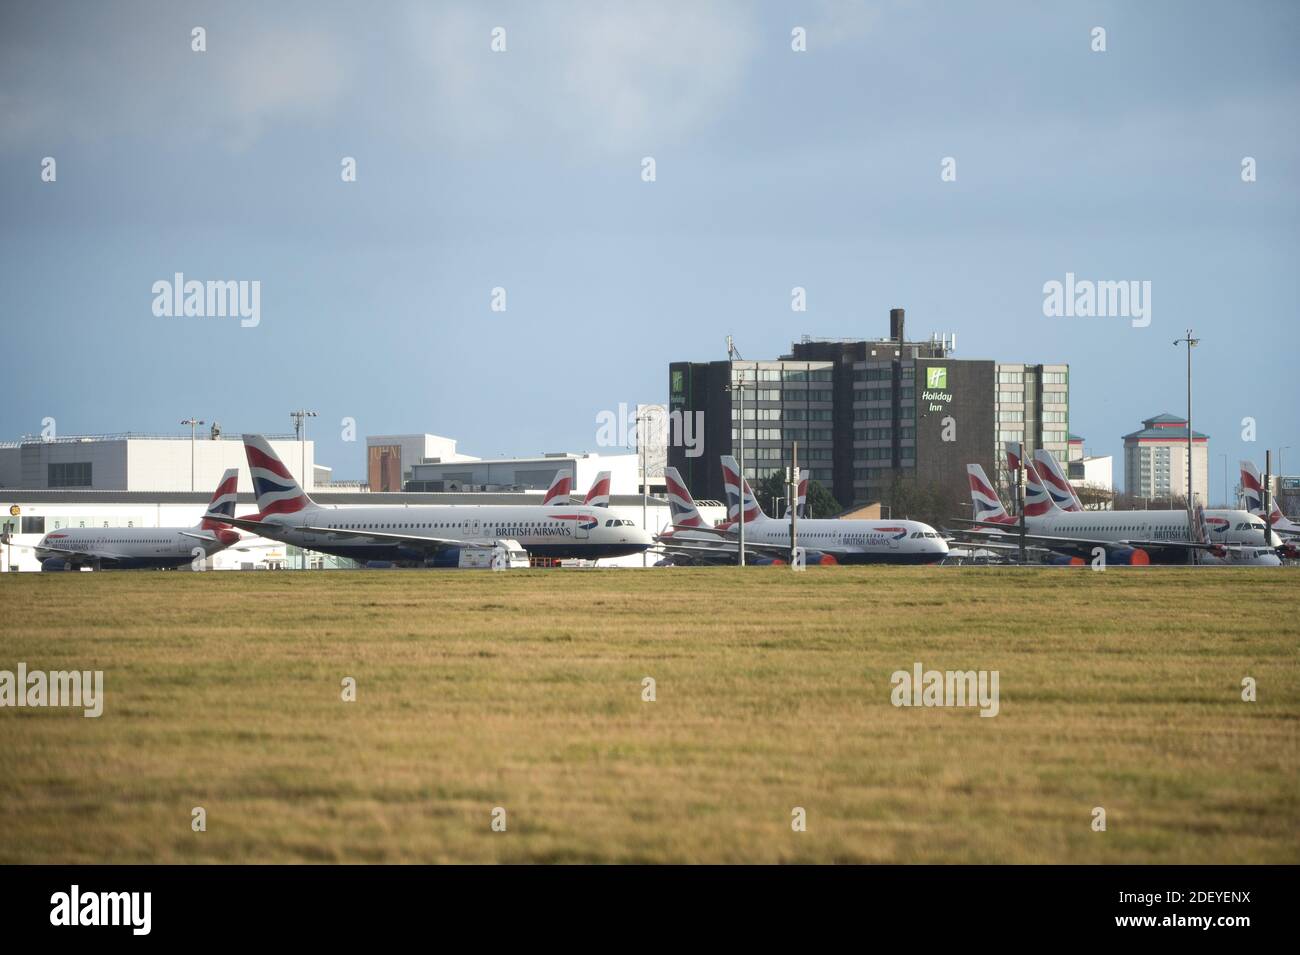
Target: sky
[[523, 170]]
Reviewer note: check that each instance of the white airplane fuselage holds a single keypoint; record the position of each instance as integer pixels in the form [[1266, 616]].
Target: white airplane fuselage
[[854, 542], [1222, 527], [130, 547], [562, 532]]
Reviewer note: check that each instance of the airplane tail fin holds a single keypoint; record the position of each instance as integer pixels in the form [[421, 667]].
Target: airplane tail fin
[[1037, 501], [1252, 488], [680, 503], [598, 496], [223, 501], [557, 495], [278, 491], [985, 504], [733, 482], [1014, 452], [1055, 481]]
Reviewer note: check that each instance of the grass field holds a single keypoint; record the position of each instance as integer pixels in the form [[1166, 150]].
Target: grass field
[[523, 690]]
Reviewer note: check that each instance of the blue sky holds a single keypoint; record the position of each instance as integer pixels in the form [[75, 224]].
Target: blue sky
[[522, 169]]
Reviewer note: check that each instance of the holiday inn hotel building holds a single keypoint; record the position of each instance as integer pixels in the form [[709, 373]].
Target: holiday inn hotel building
[[866, 411]]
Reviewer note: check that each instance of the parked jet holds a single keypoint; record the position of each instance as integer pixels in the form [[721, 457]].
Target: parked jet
[[425, 534], [847, 541], [127, 548], [690, 539], [1125, 537]]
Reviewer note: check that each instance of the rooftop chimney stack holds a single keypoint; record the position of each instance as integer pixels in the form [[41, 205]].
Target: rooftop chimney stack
[[896, 324]]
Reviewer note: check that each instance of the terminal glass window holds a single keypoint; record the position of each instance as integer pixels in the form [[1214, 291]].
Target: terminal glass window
[[69, 474]]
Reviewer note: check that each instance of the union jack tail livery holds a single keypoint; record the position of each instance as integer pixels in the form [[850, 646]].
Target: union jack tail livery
[[557, 495], [732, 481], [598, 496], [223, 501], [984, 500], [680, 502], [1037, 501], [1014, 453], [1057, 484], [278, 492], [1252, 488]]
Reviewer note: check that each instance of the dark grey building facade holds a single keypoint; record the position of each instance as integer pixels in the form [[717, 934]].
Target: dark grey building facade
[[865, 412]]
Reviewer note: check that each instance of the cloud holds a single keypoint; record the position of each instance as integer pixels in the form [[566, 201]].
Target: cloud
[[591, 77], [111, 73], [580, 76]]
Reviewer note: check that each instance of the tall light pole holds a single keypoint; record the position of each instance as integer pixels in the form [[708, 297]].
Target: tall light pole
[[733, 386], [1191, 343], [642, 419], [193, 423], [300, 428]]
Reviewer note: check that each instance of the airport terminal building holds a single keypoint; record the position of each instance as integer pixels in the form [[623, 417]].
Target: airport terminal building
[[867, 411]]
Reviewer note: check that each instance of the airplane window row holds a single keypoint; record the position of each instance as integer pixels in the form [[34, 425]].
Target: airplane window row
[[371, 527], [442, 525]]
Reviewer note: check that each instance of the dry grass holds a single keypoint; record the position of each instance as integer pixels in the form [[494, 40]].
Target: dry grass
[[523, 690]]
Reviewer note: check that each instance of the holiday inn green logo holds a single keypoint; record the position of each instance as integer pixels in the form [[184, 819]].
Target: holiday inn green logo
[[936, 378]]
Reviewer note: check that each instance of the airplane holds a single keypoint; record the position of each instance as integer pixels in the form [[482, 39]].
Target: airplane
[[128, 548], [844, 542], [1253, 489], [690, 540], [1125, 537], [424, 534]]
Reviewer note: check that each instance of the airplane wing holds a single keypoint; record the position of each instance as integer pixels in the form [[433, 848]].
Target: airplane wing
[[246, 524], [719, 531], [982, 542], [206, 538], [426, 543], [91, 555], [730, 546], [1052, 542]]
